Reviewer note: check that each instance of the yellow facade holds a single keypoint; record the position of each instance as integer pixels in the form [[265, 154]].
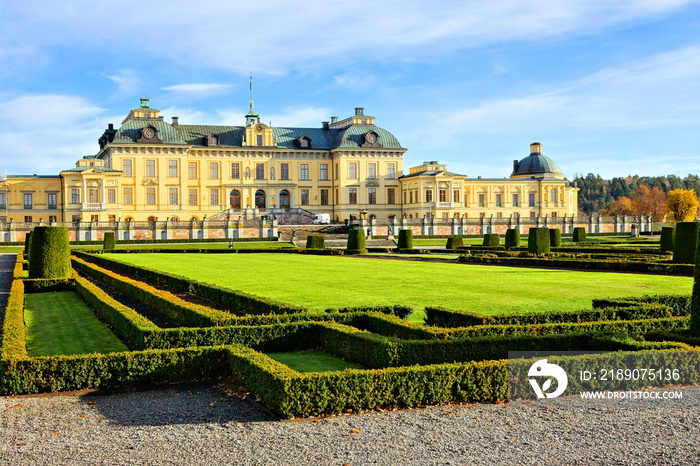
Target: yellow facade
[[149, 169]]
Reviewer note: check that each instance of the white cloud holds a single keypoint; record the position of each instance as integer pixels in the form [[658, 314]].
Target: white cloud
[[198, 88], [128, 83]]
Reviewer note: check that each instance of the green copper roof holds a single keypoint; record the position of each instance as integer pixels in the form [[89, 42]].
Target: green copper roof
[[130, 131], [194, 135], [354, 136]]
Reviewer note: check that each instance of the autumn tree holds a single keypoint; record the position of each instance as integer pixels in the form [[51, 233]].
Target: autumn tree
[[620, 206], [651, 202], [682, 205]]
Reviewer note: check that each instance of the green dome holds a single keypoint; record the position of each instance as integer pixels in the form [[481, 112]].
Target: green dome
[[536, 163]]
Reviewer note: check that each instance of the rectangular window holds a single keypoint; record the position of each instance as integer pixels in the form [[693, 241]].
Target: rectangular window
[[499, 200], [554, 215], [443, 195], [304, 175], [236, 170], [372, 195], [391, 171], [173, 198], [352, 196], [531, 199], [390, 196], [482, 214], [499, 214], [352, 170], [27, 219], [52, 219], [3, 201], [337, 172], [213, 170], [27, 200], [128, 196], [214, 196], [428, 195], [112, 196], [52, 201], [112, 219], [94, 218], [193, 197], [553, 195], [455, 195], [93, 196], [324, 171], [151, 196], [515, 200], [304, 197], [482, 200], [150, 168], [127, 167], [192, 170], [410, 196], [172, 168], [259, 140], [372, 171], [284, 171], [76, 218], [533, 214], [324, 197], [75, 195], [516, 214], [259, 171]]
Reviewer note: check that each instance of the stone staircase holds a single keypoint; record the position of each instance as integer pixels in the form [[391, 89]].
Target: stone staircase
[[335, 236]]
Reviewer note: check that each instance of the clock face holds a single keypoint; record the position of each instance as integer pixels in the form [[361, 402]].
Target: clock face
[[149, 133], [259, 128], [371, 138]]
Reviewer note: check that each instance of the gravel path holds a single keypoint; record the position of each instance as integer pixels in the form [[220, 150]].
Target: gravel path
[[201, 425]]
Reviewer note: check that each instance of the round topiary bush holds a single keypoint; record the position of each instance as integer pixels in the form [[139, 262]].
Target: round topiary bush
[[579, 235], [27, 244], [405, 239], [454, 242], [684, 243], [356, 241], [108, 241], [49, 256], [491, 239], [315, 242], [668, 235], [555, 237], [512, 238], [538, 241]]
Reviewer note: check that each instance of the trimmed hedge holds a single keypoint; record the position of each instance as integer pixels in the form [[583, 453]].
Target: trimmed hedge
[[108, 241], [512, 238], [357, 243], [679, 304], [538, 241], [396, 310], [454, 242], [685, 241], [579, 235], [554, 238], [695, 302], [405, 239], [315, 242], [668, 236], [49, 256], [45, 285], [27, 243], [14, 331], [491, 239]]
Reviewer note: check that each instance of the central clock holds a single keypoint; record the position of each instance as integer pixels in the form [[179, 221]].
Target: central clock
[[149, 133]]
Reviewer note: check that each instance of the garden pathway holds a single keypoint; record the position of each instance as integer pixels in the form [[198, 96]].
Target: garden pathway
[[7, 265]]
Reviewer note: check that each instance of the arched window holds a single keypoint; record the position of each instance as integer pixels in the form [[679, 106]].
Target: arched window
[[260, 199], [235, 199], [284, 199]]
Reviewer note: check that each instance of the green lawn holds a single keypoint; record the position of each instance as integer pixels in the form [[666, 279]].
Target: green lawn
[[313, 361], [61, 323], [319, 282]]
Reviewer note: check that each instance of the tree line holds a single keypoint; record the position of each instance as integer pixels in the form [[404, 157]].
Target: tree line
[[630, 195]]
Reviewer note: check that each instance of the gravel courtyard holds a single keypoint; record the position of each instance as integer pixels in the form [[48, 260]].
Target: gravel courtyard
[[201, 425]]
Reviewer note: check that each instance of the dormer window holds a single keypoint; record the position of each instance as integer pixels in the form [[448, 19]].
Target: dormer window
[[303, 142], [149, 134], [212, 140], [372, 140]]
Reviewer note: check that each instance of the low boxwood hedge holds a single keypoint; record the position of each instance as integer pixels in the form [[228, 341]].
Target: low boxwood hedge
[[491, 239]]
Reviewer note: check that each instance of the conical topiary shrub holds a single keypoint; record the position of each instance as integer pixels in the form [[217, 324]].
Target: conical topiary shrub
[[405, 239], [357, 243], [49, 256], [512, 238]]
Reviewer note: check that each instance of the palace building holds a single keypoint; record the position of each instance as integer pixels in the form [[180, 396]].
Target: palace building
[[150, 169]]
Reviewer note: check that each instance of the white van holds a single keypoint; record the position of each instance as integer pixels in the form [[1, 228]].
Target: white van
[[322, 219]]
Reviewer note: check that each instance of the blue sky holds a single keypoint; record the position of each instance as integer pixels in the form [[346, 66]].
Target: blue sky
[[607, 87]]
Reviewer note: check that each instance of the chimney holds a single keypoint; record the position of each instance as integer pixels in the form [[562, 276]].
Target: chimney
[[144, 102], [325, 125], [175, 122], [535, 148], [334, 119], [110, 126]]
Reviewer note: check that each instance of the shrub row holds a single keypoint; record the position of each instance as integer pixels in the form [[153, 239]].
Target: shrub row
[[679, 304], [45, 285], [13, 330], [397, 310], [231, 299], [591, 264], [450, 318]]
